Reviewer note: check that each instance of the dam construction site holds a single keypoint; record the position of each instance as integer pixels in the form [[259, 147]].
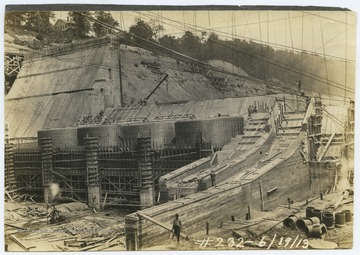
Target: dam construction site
[[107, 139]]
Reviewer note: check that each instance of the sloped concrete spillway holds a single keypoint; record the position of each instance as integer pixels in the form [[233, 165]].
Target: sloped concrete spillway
[[255, 179]]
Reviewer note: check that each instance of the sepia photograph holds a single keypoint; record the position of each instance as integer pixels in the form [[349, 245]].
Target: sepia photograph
[[178, 128]]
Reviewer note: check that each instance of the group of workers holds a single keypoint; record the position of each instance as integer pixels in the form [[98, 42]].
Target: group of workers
[[252, 109]]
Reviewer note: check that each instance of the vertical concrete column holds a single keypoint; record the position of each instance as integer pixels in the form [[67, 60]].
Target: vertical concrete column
[[351, 111], [9, 166], [314, 128], [47, 153], [318, 122], [310, 131], [92, 172], [120, 73], [312, 152], [146, 174], [349, 129], [146, 190], [132, 233], [6, 133]]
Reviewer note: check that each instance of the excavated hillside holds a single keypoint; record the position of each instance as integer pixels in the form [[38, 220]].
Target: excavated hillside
[[57, 86]]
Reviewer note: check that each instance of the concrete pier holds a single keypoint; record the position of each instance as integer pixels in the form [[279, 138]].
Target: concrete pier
[[47, 166], [92, 172], [146, 175]]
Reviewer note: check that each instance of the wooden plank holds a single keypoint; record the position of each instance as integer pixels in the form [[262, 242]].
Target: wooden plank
[[14, 226], [15, 190], [261, 196], [327, 146], [7, 193], [62, 248], [344, 194], [22, 245], [60, 175], [159, 223], [103, 205], [271, 157]]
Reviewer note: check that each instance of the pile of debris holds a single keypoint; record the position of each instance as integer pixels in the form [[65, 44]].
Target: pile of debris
[[30, 227], [12, 195]]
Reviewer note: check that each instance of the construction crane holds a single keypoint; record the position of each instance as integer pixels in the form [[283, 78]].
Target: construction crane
[[157, 86]]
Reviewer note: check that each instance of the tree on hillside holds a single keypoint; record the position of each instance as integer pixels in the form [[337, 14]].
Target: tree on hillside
[[15, 18], [156, 28], [81, 23], [170, 42], [190, 44], [212, 47], [39, 21], [104, 17], [142, 29]]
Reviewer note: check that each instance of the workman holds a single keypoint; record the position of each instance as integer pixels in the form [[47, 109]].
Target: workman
[[177, 226], [213, 177]]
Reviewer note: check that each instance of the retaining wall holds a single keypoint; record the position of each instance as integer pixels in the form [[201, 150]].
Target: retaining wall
[[322, 175]]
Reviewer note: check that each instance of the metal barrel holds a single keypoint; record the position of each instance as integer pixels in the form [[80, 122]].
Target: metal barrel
[[348, 216], [316, 213], [290, 222], [316, 230], [302, 223], [328, 219], [309, 211], [340, 220], [315, 220]]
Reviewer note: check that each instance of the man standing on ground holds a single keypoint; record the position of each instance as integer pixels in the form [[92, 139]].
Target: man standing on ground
[[213, 177], [177, 227]]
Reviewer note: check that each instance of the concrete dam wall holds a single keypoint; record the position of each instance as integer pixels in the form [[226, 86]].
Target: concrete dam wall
[[98, 75], [217, 131]]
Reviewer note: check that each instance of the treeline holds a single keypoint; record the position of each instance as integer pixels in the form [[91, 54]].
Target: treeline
[[258, 60], [300, 70], [40, 22]]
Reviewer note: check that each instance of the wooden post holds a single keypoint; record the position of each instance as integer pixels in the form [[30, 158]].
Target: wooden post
[[207, 228], [261, 196], [120, 77], [249, 212], [104, 202]]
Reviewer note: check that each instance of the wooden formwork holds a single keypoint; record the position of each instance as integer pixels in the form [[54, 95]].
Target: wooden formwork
[[118, 171]]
